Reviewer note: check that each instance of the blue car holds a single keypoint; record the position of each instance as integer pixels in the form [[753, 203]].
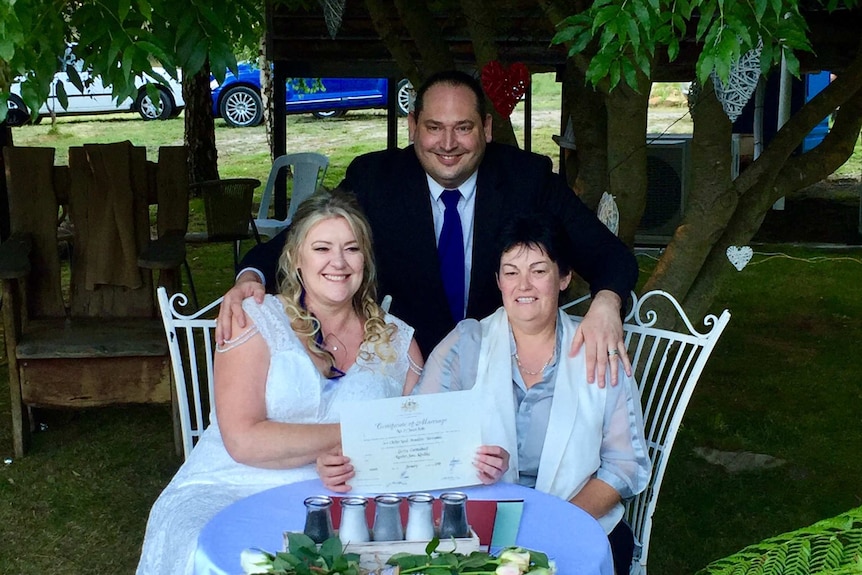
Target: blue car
[[238, 100]]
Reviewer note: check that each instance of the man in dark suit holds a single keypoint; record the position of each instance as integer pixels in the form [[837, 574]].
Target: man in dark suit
[[400, 192]]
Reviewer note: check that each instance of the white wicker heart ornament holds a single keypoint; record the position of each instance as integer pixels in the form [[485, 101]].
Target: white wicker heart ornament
[[739, 256], [333, 11], [741, 83], [608, 213]]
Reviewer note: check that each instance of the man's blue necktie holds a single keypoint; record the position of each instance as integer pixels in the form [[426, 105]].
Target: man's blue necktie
[[451, 252]]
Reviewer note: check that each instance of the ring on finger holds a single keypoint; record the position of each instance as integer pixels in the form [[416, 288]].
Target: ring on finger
[[613, 352]]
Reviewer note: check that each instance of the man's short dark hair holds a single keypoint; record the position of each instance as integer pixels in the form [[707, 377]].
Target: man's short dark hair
[[452, 78]]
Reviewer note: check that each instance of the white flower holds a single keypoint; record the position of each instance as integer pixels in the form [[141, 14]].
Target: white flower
[[508, 569], [254, 561], [518, 556]]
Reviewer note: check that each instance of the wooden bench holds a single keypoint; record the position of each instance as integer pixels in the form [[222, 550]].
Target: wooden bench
[[97, 341]]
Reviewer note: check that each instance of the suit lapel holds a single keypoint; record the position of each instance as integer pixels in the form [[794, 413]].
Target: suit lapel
[[417, 226], [486, 222]]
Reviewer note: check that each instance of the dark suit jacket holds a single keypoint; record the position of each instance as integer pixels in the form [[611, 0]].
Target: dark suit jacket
[[392, 189]]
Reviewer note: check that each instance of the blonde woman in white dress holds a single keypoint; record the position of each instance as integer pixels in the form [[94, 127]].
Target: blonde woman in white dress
[[279, 383]]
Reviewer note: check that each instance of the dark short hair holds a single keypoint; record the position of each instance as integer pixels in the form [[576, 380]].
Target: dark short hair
[[536, 230], [451, 78]]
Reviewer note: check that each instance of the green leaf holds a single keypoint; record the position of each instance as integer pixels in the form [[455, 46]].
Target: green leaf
[[60, 91], [644, 63], [760, 7], [706, 13], [792, 63], [432, 545], [641, 11], [331, 549], [7, 48], [445, 559], [705, 66], [407, 560], [630, 74], [604, 16], [74, 78], [597, 70], [197, 58], [123, 9], [614, 73], [777, 6], [284, 561], [145, 9], [539, 558], [580, 43], [634, 33], [672, 49], [476, 559], [297, 541], [564, 35]]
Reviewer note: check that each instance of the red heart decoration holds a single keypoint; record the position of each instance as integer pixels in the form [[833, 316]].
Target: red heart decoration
[[505, 86]]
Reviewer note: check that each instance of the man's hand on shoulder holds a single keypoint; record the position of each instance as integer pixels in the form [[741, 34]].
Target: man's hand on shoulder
[[247, 285], [601, 334]]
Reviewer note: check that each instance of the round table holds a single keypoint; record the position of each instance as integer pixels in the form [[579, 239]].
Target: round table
[[569, 536]]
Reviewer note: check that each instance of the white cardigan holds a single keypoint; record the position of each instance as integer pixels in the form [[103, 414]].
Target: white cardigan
[[576, 428]]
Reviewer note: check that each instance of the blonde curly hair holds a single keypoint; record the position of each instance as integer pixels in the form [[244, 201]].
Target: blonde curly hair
[[378, 334]]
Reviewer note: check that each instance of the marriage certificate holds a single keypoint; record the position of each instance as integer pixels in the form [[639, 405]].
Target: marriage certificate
[[409, 444]]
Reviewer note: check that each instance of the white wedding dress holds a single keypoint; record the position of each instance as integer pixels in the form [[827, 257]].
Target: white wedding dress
[[296, 392]]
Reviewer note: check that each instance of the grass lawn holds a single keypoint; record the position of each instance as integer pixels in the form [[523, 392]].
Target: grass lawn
[[783, 381]]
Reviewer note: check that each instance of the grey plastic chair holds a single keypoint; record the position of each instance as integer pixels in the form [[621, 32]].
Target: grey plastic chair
[[308, 170]]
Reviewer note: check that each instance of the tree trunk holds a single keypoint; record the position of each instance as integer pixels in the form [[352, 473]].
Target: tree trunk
[[5, 223], [379, 11], [586, 107], [711, 200], [421, 25], [481, 23], [266, 94], [200, 127], [777, 173], [627, 124]]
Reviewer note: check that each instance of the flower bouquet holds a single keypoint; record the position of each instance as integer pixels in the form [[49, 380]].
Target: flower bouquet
[[304, 557]]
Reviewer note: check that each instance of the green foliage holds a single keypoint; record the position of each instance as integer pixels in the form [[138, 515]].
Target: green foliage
[[521, 561], [829, 547], [120, 40], [622, 38], [303, 557]]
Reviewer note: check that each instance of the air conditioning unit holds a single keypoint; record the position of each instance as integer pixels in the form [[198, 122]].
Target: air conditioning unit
[[668, 177], [668, 182]]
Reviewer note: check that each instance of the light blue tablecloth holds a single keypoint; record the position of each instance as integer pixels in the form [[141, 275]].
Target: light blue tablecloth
[[566, 533]]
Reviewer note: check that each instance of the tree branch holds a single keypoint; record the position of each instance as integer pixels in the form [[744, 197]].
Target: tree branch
[[379, 12], [429, 40]]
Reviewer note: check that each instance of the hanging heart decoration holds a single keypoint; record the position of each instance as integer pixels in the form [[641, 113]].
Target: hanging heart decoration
[[505, 86], [739, 256], [608, 213], [741, 83], [333, 11]]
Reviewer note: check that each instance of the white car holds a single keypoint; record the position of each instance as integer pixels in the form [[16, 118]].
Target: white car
[[97, 99]]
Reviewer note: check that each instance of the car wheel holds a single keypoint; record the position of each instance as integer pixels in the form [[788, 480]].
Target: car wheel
[[405, 96], [241, 107], [17, 114], [329, 113], [152, 111]]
